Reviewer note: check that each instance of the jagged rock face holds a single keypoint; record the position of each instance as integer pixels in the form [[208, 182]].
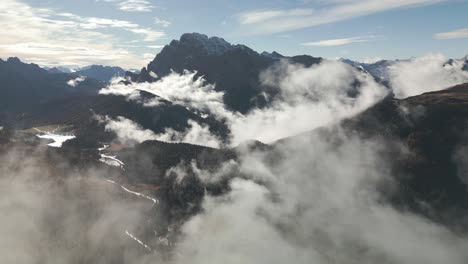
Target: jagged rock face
[[235, 69], [212, 46]]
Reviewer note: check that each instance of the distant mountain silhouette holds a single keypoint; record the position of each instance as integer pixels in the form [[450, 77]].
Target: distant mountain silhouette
[[101, 73], [23, 85], [58, 70]]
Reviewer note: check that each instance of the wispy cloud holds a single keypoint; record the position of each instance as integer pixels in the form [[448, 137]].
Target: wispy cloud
[[48, 37], [459, 33], [133, 5], [339, 42], [161, 22], [155, 46], [75, 82], [136, 6], [276, 21]]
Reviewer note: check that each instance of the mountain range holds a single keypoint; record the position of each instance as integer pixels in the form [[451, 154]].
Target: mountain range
[[97, 72]]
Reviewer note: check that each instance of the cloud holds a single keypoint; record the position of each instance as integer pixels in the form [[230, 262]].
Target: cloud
[[425, 74], [49, 37], [277, 21], [76, 81], [127, 131], [338, 42], [317, 204], [66, 217], [161, 22], [182, 89], [133, 5], [148, 56], [309, 98], [136, 6], [194, 134], [456, 34]]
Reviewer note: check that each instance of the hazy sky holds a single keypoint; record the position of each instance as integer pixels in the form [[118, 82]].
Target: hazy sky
[[129, 33]]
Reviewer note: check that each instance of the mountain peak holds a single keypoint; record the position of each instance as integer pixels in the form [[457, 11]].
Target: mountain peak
[[211, 45], [13, 60]]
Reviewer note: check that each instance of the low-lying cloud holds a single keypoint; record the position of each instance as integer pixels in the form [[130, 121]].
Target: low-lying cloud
[[129, 133], [429, 73], [308, 98], [183, 89], [318, 204], [194, 134], [75, 82], [64, 217]]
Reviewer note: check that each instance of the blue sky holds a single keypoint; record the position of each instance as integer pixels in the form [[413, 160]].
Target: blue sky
[[129, 33]]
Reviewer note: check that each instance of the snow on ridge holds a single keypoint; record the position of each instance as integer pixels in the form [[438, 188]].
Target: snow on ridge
[[137, 240], [212, 45], [112, 161], [154, 200]]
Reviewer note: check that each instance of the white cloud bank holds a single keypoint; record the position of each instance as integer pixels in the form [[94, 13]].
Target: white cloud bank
[[425, 74], [317, 204], [182, 89], [310, 98]]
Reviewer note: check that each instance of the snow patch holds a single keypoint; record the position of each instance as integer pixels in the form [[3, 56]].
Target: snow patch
[[137, 240], [57, 138], [155, 201]]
